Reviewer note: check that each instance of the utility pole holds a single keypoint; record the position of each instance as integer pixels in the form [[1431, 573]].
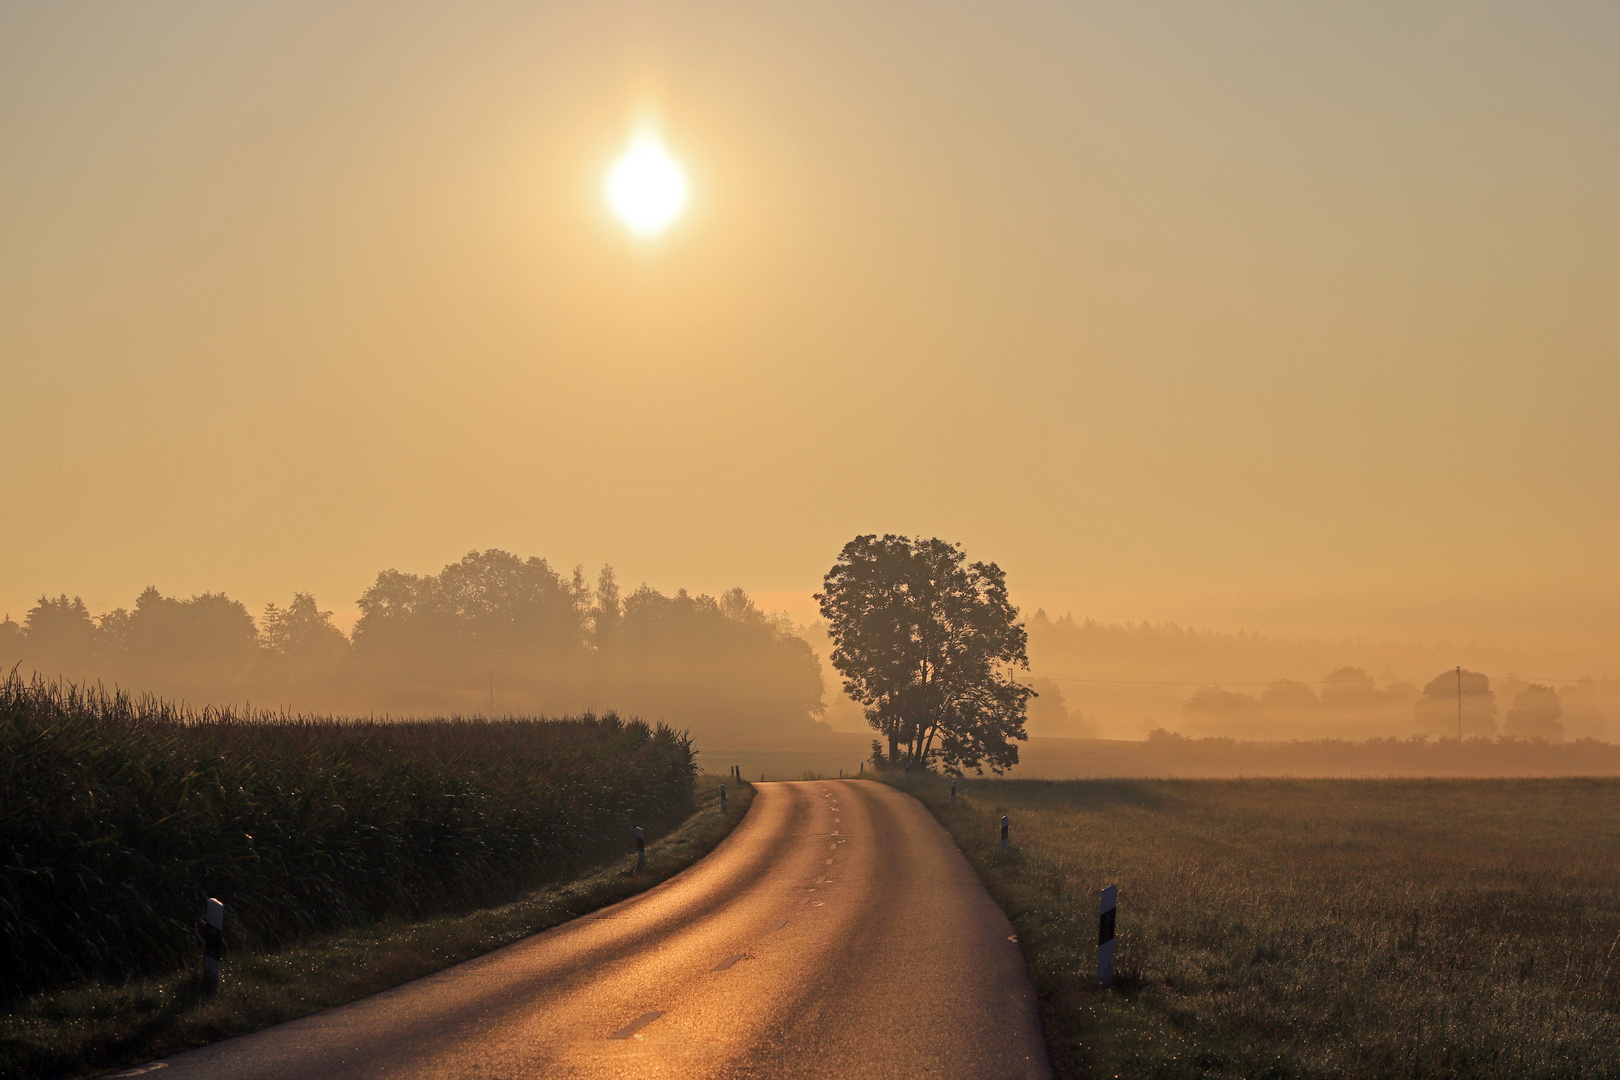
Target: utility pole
[[1459, 704]]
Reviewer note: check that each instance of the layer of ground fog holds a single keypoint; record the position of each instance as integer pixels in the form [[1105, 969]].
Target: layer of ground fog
[[1314, 928], [1170, 756]]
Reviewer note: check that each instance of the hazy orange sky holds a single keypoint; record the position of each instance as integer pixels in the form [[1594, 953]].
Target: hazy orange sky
[[1295, 316]]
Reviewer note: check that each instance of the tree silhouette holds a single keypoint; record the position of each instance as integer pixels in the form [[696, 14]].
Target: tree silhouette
[[608, 611], [12, 641], [1349, 690], [60, 632], [1214, 710], [205, 646], [435, 644], [745, 676], [427, 637], [307, 651], [1536, 714], [927, 642], [1437, 710]]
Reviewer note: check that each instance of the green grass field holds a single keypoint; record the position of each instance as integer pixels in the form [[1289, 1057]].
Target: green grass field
[[1314, 928]]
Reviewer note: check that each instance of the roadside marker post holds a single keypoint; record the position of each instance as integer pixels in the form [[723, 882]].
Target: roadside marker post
[[641, 849], [1003, 832], [1105, 934], [722, 798], [953, 792], [213, 942]]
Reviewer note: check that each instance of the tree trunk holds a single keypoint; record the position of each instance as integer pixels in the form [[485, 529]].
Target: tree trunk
[[894, 748]]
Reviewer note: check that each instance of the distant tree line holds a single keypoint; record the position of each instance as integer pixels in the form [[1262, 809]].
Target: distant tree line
[[435, 644], [1452, 703], [1125, 679]]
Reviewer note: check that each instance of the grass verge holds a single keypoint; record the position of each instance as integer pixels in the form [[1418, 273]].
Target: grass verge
[[92, 1029], [1312, 928]]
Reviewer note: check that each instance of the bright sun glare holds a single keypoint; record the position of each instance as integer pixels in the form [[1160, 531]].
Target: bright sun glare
[[646, 188]]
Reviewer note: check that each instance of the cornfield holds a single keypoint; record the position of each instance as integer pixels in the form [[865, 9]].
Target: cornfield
[[119, 817]]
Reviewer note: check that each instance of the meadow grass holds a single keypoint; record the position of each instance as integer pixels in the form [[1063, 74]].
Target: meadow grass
[[96, 1027], [1313, 928]]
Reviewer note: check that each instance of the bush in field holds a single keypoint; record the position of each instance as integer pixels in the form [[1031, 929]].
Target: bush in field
[[119, 817]]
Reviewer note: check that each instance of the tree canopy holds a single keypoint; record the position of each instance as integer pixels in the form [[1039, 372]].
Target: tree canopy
[[1437, 709], [928, 643], [491, 625]]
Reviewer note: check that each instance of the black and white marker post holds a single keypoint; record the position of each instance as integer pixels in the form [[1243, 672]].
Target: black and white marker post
[[722, 798], [1105, 934], [953, 791], [641, 849], [213, 942], [1003, 832]]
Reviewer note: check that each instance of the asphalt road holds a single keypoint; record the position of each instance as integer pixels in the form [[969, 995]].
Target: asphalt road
[[836, 933]]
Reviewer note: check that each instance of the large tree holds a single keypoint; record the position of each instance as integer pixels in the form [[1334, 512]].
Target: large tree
[[928, 643]]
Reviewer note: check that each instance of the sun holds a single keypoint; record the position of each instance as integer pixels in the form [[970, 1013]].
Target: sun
[[646, 187]]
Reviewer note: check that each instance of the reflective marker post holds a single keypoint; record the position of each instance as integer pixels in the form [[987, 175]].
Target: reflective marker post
[[953, 791], [1105, 934], [1003, 832], [722, 798], [213, 942], [641, 849]]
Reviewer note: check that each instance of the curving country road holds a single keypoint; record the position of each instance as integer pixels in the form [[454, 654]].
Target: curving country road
[[836, 933]]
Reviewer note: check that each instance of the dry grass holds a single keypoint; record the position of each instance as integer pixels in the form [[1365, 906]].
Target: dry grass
[[1314, 928]]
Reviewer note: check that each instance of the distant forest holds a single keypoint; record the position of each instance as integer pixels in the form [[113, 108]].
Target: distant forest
[[1125, 680], [436, 644]]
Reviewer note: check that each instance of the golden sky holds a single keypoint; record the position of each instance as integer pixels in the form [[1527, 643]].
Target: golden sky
[[1295, 316]]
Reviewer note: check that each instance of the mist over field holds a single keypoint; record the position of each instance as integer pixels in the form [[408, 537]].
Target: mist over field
[[1290, 319], [1151, 466], [499, 634], [1268, 351], [492, 634]]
